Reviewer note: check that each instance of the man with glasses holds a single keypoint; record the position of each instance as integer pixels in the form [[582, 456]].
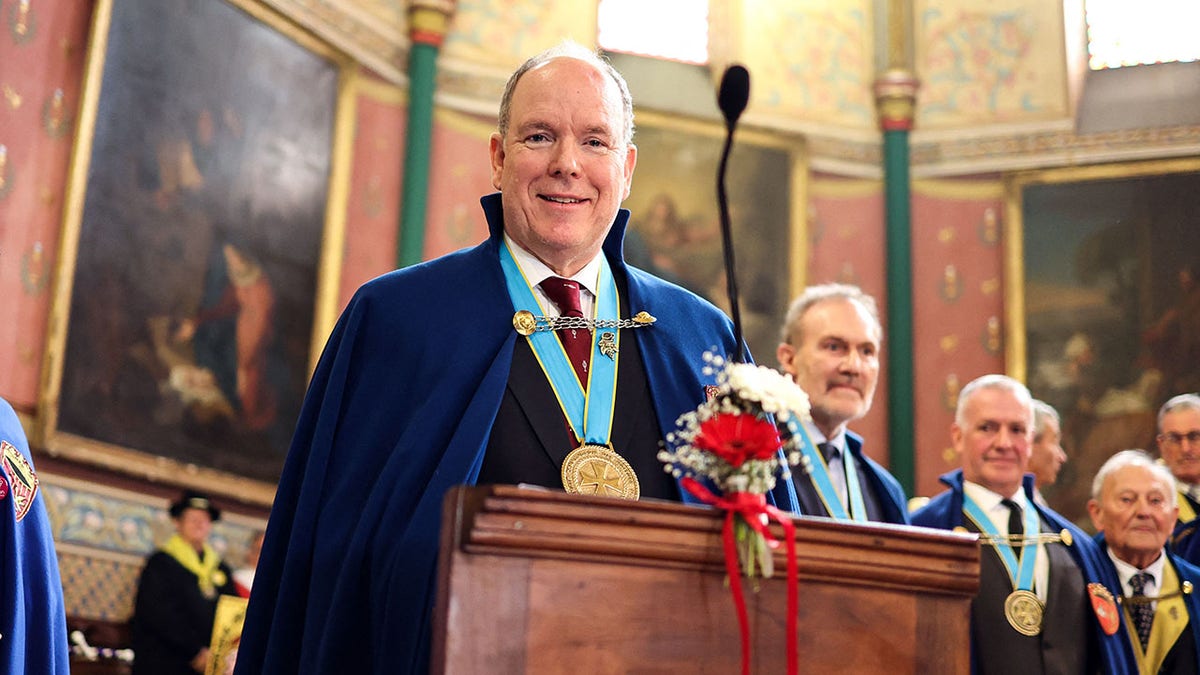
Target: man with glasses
[[1179, 446]]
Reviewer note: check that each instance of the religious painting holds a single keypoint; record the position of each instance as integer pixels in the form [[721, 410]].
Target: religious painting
[[675, 228], [1104, 304], [197, 278]]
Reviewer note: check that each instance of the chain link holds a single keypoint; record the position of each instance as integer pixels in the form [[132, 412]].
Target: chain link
[[545, 323]]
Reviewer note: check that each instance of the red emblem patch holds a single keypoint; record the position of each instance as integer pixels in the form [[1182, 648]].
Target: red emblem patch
[[1105, 606], [22, 481]]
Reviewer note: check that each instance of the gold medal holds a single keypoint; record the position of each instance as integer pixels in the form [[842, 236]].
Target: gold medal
[[598, 470], [524, 322], [1024, 612]]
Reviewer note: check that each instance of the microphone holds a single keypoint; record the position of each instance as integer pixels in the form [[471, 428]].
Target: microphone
[[732, 98], [734, 94]]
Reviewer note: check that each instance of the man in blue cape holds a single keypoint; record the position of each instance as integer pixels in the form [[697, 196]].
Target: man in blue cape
[[426, 384], [1045, 602], [33, 622], [830, 346]]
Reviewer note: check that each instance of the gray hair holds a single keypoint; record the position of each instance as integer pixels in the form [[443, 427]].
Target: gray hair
[[1134, 457], [1180, 402], [1043, 413], [815, 294], [572, 50], [996, 382]]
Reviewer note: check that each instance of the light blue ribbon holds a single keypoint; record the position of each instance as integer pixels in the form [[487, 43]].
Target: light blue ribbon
[[819, 471], [590, 411], [1020, 574]]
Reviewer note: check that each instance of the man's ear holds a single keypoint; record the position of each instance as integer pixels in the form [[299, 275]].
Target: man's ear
[[1093, 508], [785, 353], [496, 152]]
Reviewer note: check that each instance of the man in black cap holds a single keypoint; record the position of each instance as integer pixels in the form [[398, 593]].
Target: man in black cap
[[177, 594]]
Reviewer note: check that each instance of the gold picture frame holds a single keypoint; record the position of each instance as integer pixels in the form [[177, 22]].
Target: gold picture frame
[[201, 243], [674, 229], [1098, 263]]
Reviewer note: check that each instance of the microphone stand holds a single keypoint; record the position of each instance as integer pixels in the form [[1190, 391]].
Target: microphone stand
[[732, 98]]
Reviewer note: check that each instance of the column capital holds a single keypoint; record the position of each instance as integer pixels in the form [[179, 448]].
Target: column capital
[[428, 20], [896, 99]]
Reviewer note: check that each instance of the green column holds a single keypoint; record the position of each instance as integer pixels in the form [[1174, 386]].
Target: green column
[[895, 95], [428, 20], [899, 307]]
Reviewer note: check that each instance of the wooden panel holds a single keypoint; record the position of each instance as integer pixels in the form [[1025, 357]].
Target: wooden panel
[[543, 582]]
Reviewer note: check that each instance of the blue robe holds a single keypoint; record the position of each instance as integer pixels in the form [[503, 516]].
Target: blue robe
[[33, 622], [945, 511], [399, 410]]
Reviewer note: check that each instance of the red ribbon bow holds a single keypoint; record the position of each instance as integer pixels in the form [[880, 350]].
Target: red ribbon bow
[[750, 507]]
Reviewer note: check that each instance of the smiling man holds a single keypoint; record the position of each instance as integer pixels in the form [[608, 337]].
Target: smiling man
[[479, 367], [1045, 602], [1133, 508], [830, 347]]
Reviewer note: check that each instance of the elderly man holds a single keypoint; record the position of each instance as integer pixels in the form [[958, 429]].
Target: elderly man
[[493, 364], [1133, 508], [830, 347], [1047, 456], [1179, 446], [1045, 602]]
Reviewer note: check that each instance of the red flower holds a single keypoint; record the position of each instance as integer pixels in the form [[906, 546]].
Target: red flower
[[738, 438]]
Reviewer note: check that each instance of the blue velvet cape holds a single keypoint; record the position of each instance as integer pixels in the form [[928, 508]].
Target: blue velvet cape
[[400, 409], [33, 622], [945, 512]]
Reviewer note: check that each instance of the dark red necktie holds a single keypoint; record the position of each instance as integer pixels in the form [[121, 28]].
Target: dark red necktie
[[577, 341]]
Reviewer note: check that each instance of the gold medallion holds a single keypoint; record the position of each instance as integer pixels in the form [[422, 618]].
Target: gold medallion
[[598, 470], [524, 322], [1024, 612]]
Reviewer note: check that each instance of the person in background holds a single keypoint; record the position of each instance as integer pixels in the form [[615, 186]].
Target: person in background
[[1045, 602], [830, 347], [1133, 508], [243, 577], [436, 376], [1179, 447], [1048, 456], [177, 592], [33, 621]]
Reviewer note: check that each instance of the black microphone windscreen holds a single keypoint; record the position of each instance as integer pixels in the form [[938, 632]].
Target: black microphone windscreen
[[734, 93]]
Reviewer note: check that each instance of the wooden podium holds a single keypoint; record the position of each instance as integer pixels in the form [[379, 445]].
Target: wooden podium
[[534, 581]]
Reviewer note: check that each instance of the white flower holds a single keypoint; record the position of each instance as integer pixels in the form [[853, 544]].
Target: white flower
[[775, 392]]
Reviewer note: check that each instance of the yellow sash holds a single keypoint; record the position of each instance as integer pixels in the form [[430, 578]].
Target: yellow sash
[[1186, 513], [1170, 620], [207, 572]]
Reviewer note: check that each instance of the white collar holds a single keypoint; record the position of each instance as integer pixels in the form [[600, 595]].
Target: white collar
[[1125, 570], [988, 500], [838, 441], [537, 271]]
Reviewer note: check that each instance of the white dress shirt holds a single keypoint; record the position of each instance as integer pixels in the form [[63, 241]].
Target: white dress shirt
[[536, 272]]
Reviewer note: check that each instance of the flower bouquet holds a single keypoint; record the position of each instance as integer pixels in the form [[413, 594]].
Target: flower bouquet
[[737, 442]]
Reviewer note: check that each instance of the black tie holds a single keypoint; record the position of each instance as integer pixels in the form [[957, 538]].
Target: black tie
[[1015, 527], [1142, 612]]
